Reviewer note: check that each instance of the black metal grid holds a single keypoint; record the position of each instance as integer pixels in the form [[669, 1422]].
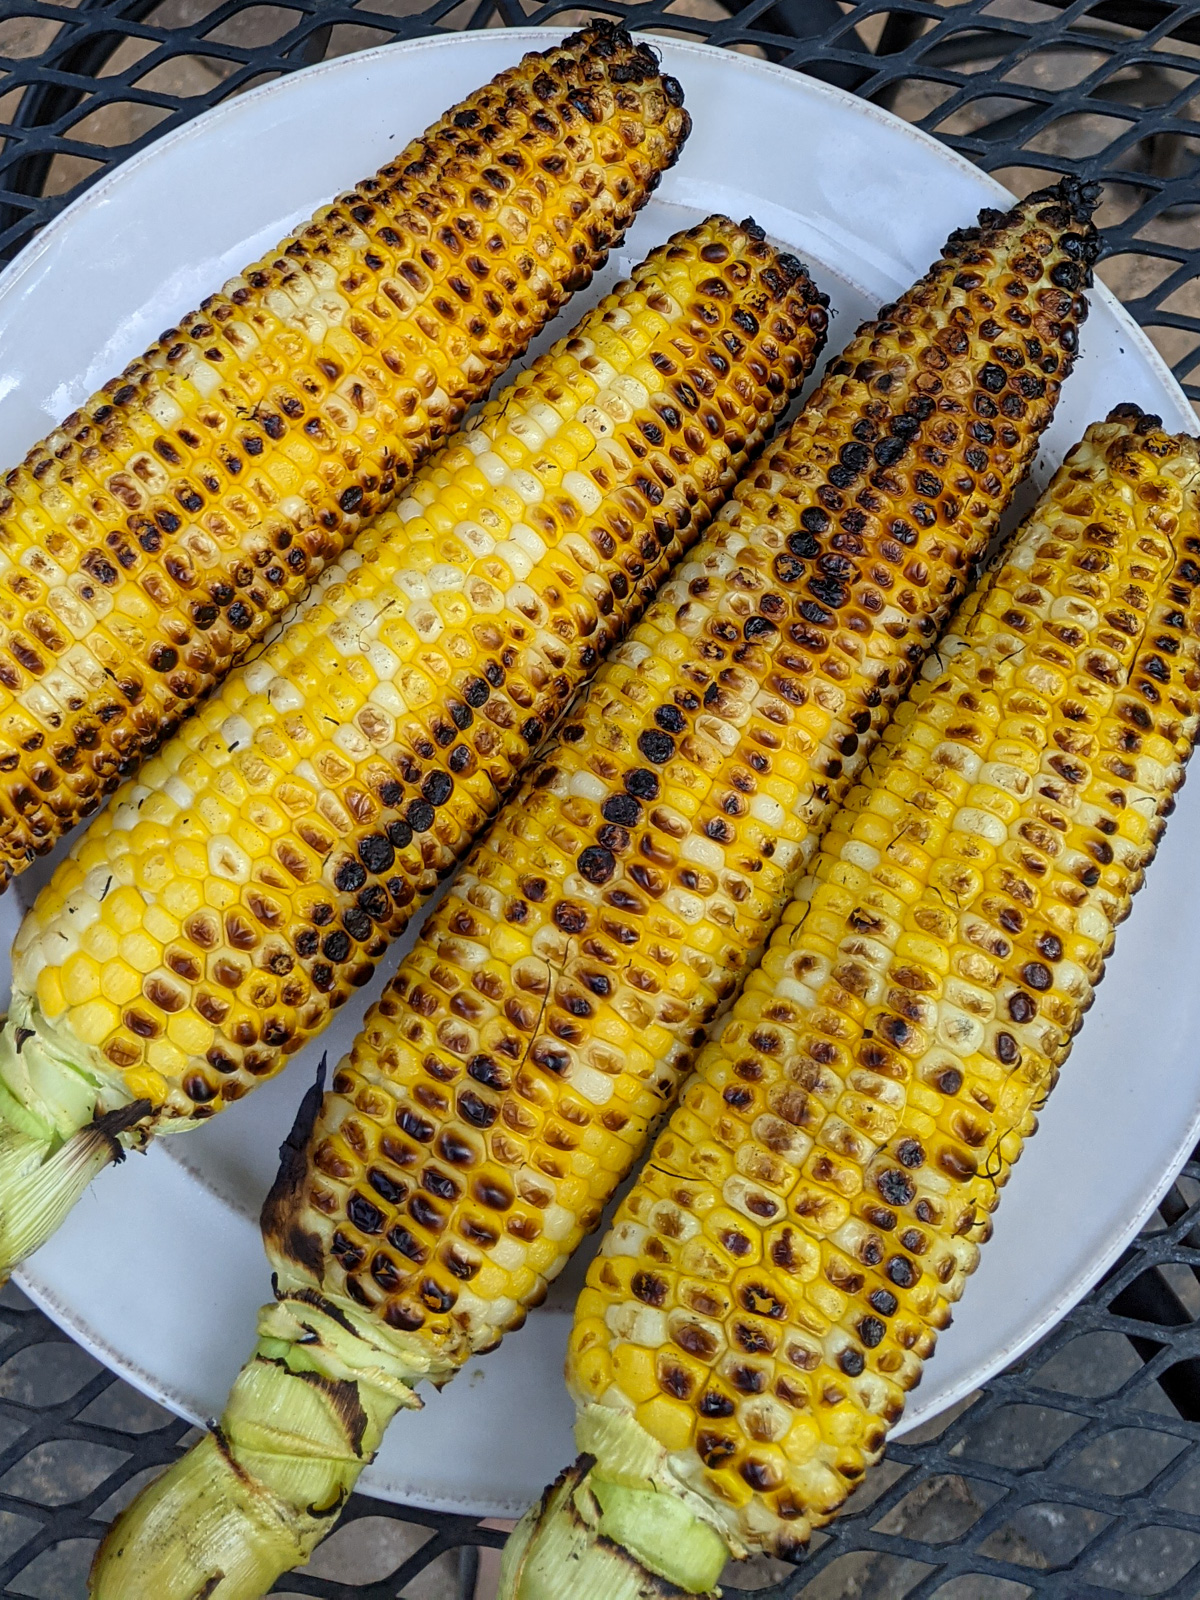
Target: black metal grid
[[1076, 1475]]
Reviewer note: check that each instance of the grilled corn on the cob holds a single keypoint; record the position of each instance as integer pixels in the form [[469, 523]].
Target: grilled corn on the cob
[[505, 1082], [210, 920], [771, 1286], [166, 525]]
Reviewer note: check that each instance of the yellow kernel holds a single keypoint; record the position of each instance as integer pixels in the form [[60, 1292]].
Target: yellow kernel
[[166, 1058], [181, 897], [141, 951], [190, 1032], [143, 1083], [124, 908], [633, 1372], [591, 1370], [49, 993], [80, 979], [92, 1023], [160, 925], [670, 1421], [119, 982]]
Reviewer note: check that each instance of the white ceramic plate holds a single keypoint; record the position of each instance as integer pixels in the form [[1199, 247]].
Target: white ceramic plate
[[160, 1270]]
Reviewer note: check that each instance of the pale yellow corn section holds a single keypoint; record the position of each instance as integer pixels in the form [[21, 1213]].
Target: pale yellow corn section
[[773, 1283], [505, 1082], [208, 922], [149, 541]]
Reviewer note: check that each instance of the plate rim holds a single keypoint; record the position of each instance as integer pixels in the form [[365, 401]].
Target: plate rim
[[202, 126], [229, 108]]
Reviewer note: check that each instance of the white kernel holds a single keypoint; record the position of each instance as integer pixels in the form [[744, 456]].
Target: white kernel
[[687, 907], [546, 417], [974, 820], [527, 485], [389, 699], [475, 538], [227, 859], [631, 390], [257, 676], [527, 431], [703, 851], [165, 410], [284, 695], [414, 584], [625, 1238], [532, 543], [409, 509], [1003, 776], [493, 467], [768, 811], [962, 1033], [583, 491], [859, 854], [588, 786], [637, 1324], [179, 791], [237, 731], [425, 622], [518, 562], [444, 576]]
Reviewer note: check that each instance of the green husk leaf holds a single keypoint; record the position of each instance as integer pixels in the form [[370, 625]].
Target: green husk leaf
[[594, 1540], [253, 1499]]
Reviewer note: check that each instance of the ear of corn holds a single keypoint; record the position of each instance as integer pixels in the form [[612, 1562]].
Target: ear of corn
[[771, 1286], [207, 924], [505, 1082], [149, 541]]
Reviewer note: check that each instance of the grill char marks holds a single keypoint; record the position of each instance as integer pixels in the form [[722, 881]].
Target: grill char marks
[[324, 792], [184, 507], [568, 978], [841, 1148]]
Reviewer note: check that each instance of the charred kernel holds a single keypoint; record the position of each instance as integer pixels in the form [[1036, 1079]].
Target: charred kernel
[[336, 946], [670, 719], [387, 1187], [642, 784], [1036, 975], [1022, 1007], [1050, 946], [597, 865], [376, 853], [1007, 1049], [622, 809], [851, 1361], [419, 816], [884, 1301], [909, 1153], [656, 746], [871, 1331], [715, 1404], [399, 834], [437, 788], [895, 1186], [365, 1216], [901, 1271], [349, 876]]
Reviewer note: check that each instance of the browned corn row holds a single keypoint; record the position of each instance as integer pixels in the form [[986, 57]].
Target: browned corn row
[[505, 1082], [772, 1285], [208, 922], [161, 530]]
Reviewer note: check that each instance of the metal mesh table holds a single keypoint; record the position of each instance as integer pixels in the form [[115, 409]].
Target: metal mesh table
[[1077, 1473]]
